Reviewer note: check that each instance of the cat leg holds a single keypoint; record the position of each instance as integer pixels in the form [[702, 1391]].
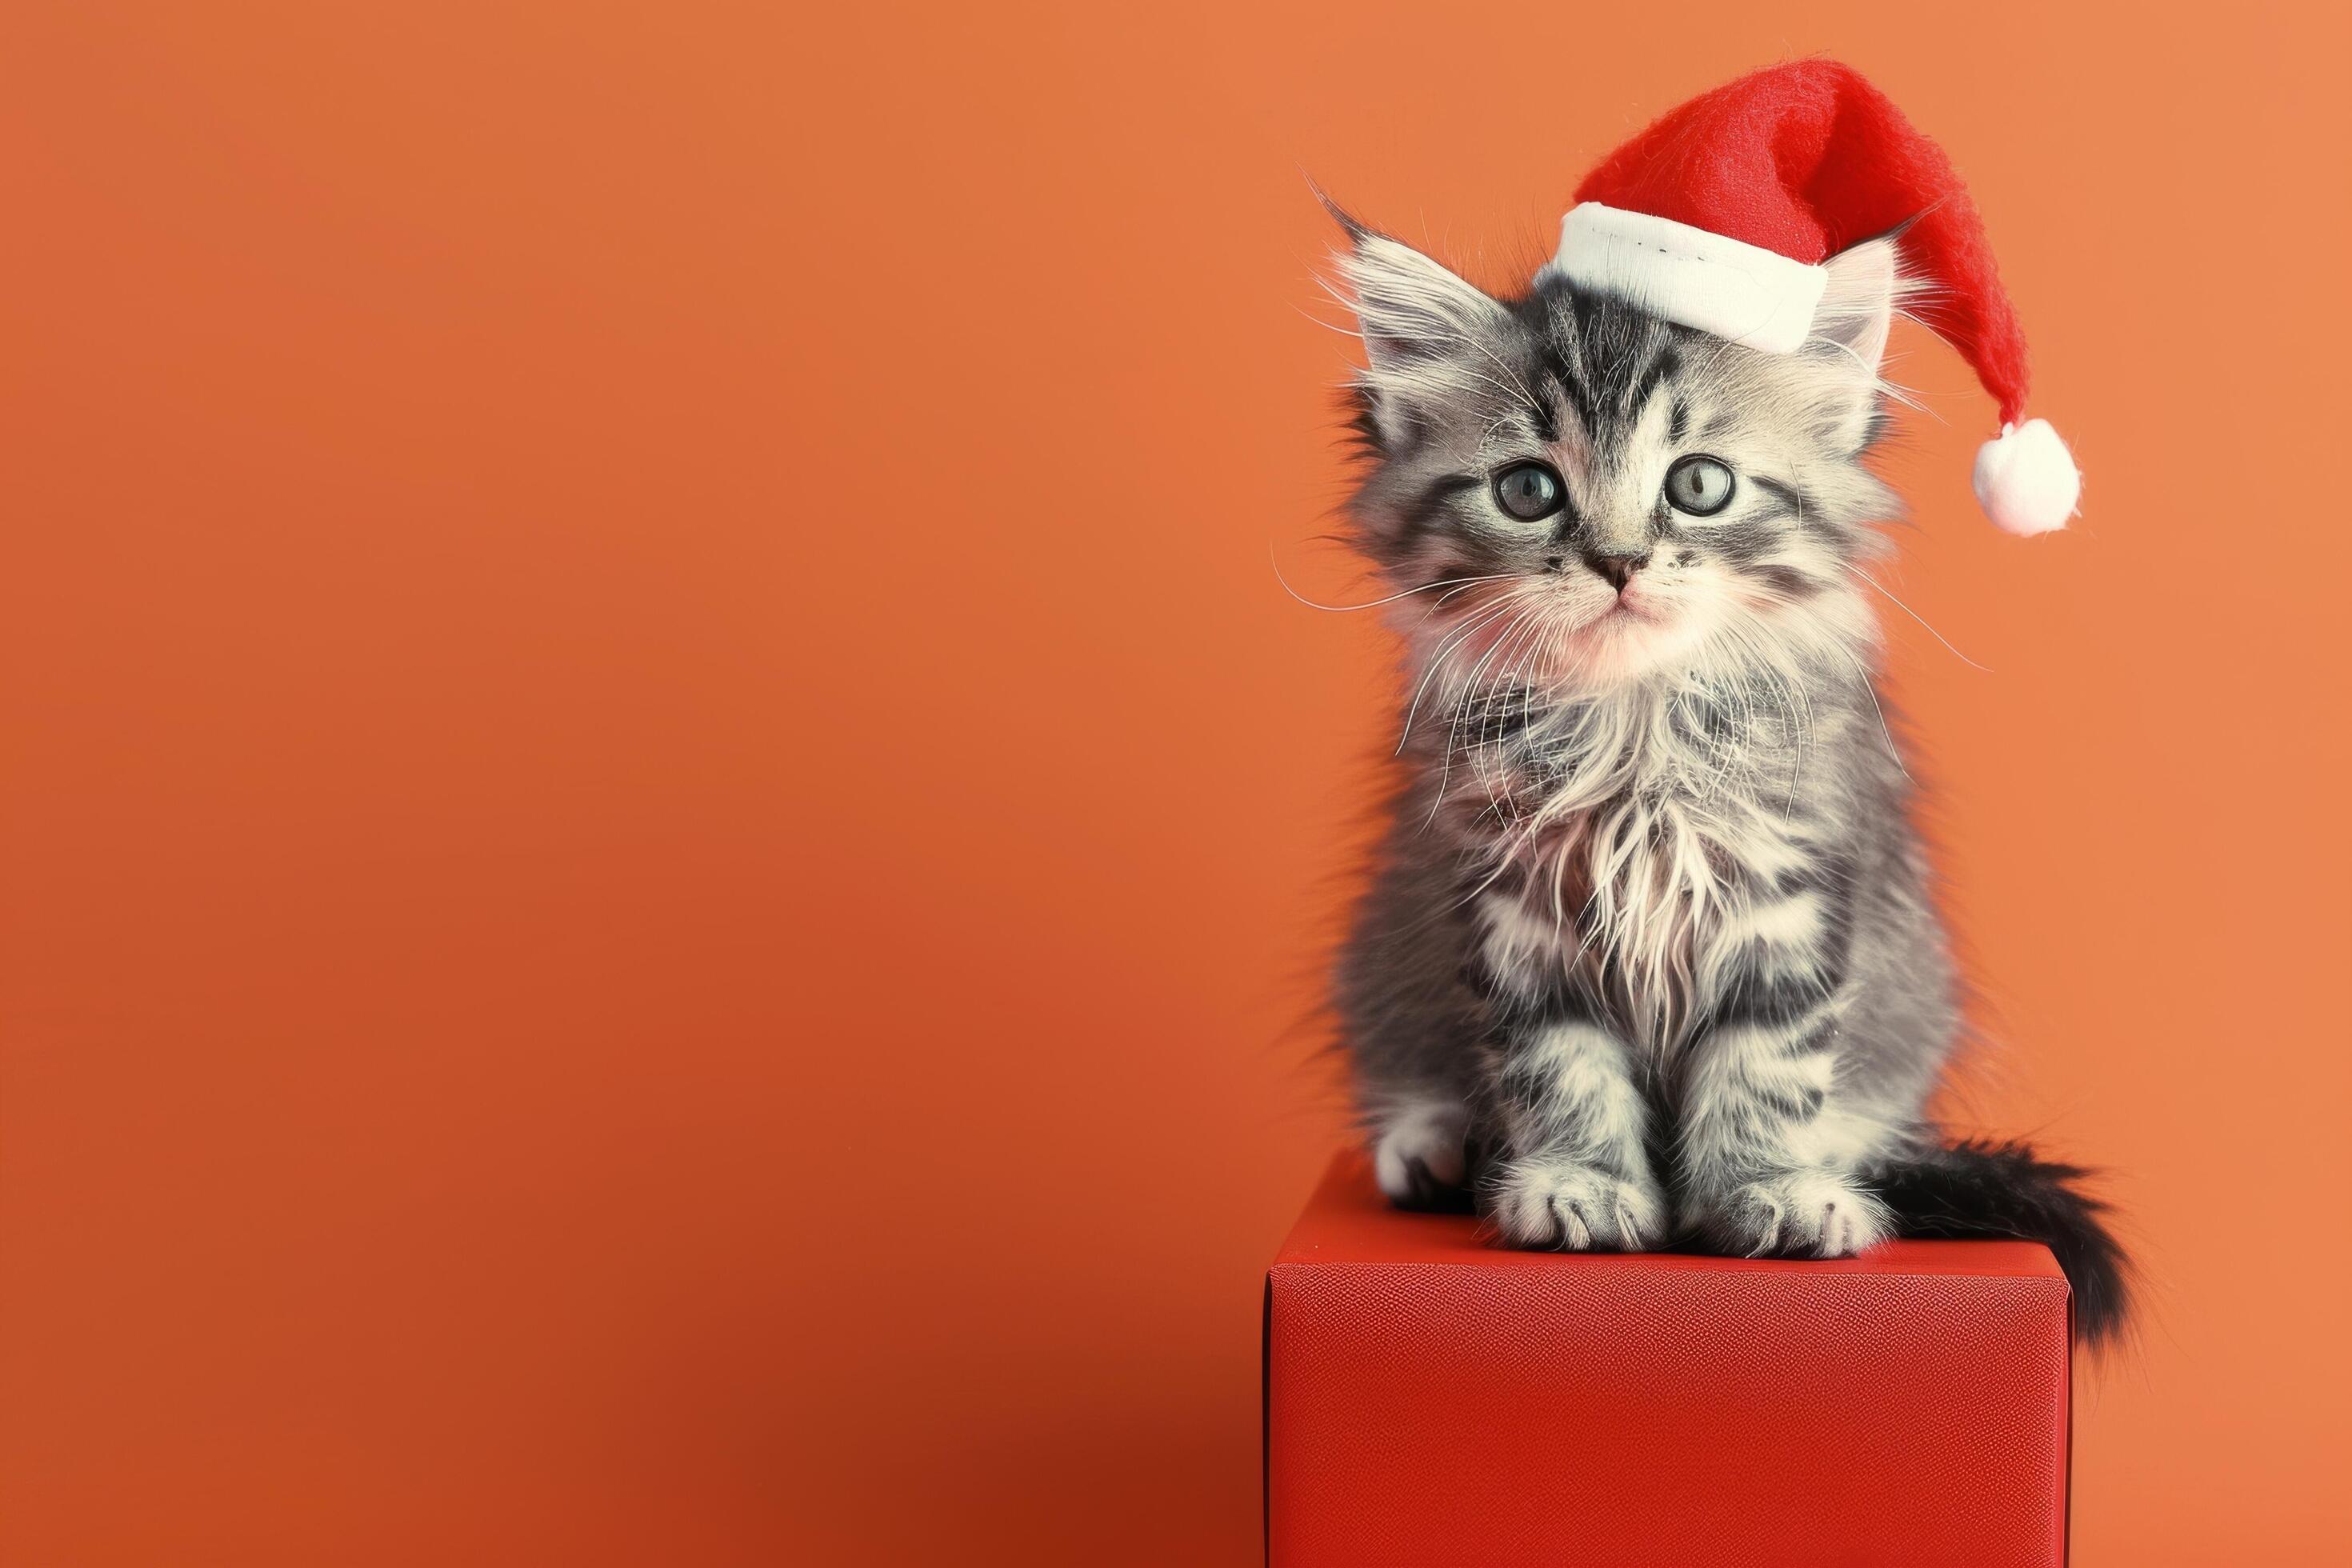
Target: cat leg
[[1766, 1146], [1574, 1173]]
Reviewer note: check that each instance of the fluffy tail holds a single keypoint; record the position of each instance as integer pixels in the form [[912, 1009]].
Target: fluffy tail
[[1981, 1188]]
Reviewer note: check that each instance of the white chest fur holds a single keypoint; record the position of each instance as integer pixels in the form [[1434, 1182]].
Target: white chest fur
[[1635, 845]]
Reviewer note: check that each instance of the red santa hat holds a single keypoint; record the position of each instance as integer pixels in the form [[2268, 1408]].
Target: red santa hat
[[1720, 215]]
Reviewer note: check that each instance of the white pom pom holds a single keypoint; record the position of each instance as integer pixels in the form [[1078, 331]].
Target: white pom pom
[[2026, 480]]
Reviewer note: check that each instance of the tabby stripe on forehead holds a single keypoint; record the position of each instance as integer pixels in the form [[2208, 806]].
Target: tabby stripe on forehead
[[1665, 364], [1582, 305], [1571, 390]]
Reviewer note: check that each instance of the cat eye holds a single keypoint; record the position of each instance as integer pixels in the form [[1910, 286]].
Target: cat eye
[[1699, 486], [1528, 491]]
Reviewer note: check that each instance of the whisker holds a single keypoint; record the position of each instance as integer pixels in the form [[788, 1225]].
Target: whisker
[[1915, 615], [1484, 615], [1870, 689], [1454, 730], [1374, 603]]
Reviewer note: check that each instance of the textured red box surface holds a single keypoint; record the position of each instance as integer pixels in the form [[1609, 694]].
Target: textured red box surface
[[1430, 1399]]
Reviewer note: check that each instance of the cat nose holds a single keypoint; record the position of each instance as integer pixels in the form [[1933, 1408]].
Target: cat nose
[[1618, 569]]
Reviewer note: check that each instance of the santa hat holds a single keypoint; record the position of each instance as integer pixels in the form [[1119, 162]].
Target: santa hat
[[1720, 215]]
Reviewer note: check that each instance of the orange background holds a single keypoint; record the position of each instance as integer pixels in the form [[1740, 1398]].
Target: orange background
[[665, 832]]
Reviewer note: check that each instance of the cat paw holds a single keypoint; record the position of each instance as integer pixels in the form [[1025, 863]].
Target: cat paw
[[1419, 1157], [1800, 1214], [1574, 1207]]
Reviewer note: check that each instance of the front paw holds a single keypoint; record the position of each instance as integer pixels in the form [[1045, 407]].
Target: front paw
[[1420, 1157], [1798, 1213], [1573, 1206]]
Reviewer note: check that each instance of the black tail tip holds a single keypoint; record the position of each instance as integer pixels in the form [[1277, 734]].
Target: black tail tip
[[1982, 1188]]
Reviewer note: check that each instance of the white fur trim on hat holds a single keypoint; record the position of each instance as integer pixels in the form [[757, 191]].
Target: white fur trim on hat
[[2026, 480], [1756, 297]]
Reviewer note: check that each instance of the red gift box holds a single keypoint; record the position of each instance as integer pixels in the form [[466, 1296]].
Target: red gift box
[[1430, 1399]]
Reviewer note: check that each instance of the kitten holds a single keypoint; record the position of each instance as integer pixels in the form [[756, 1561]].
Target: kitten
[[1650, 956]]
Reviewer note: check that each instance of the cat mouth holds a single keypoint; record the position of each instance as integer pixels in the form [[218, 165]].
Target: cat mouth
[[1628, 611]]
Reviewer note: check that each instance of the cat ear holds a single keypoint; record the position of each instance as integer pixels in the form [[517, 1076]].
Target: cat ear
[[1425, 331], [1848, 337]]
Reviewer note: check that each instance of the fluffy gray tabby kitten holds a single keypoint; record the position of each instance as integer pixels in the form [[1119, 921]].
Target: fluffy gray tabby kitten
[[1650, 955]]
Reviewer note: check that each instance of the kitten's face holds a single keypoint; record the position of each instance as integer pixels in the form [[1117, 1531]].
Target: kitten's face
[[1605, 496]]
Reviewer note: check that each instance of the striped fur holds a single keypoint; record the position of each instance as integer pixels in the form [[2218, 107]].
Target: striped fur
[[1650, 951]]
